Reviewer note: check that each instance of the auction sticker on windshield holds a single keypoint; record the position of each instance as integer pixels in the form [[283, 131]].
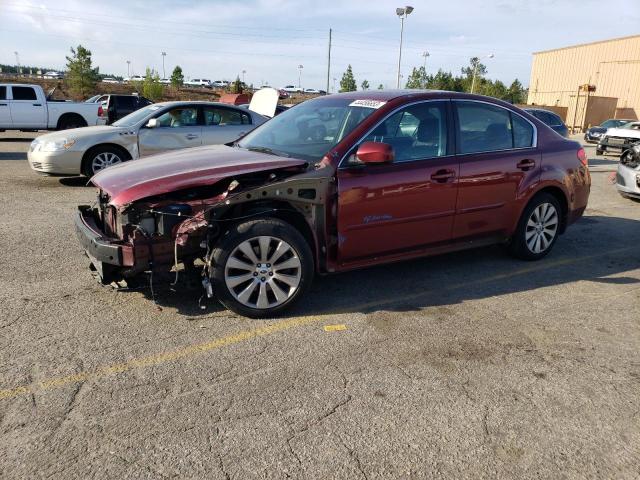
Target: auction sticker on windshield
[[367, 103]]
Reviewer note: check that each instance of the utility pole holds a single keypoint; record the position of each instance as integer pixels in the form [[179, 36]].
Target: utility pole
[[18, 63], [164, 54], [128, 65], [300, 67], [243, 72], [329, 62], [425, 54]]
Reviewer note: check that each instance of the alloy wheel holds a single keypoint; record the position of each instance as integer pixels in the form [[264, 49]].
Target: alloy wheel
[[104, 160], [542, 228], [263, 272]]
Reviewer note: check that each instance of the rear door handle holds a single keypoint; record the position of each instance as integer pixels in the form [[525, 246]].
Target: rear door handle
[[443, 175], [191, 136], [526, 165], [3, 104], [37, 104]]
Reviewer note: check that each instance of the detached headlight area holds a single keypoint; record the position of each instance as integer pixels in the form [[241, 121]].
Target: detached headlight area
[[52, 145]]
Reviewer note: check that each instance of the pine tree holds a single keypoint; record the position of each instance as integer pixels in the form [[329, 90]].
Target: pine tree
[[364, 85], [417, 79], [177, 78], [151, 86], [81, 77], [381, 87], [348, 82]]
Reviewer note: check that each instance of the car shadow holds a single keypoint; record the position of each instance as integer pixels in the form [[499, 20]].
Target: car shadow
[[78, 181], [597, 162], [450, 279], [13, 155], [16, 139]]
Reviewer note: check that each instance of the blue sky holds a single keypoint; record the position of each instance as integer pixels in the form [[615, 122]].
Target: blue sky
[[270, 38]]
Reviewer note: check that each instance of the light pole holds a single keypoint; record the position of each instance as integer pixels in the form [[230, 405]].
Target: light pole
[[243, 72], [475, 71], [334, 84], [18, 63], [300, 67], [164, 54], [425, 54], [128, 65], [402, 14]]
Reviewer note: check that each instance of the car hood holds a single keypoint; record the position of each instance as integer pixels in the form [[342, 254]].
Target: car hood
[[623, 132], [597, 130], [84, 132], [177, 170]]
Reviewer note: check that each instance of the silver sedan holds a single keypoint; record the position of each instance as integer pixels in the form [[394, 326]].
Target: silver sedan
[[156, 128]]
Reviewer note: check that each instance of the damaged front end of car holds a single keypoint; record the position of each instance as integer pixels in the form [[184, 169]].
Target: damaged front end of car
[[173, 232]]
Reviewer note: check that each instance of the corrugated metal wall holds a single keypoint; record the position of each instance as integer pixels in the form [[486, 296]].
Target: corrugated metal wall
[[613, 66]]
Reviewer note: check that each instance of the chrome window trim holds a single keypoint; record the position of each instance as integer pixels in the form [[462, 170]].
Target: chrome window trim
[[534, 141], [386, 117]]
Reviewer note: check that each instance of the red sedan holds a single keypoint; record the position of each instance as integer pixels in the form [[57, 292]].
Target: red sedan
[[338, 182]]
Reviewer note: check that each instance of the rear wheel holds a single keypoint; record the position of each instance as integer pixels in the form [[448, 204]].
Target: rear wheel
[[102, 157], [71, 121], [261, 267], [599, 152], [538, 228]]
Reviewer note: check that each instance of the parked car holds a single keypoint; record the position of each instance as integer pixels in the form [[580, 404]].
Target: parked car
[[593, 134], [155, 128], [617, 140], [26, 107], [53, 75], [278, 111], [165, 81], [552, 119], [115, 107], [292, 89], [135, 78], [336, 183], [220, 84], [312, 91], [110, 80], [282, 94], [628, 174], [199, 82]]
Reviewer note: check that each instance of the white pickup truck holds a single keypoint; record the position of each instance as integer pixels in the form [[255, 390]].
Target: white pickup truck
[[26, 107]]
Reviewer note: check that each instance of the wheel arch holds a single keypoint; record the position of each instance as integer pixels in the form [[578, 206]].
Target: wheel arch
[[68, 116], [559, 194], [86, 157], [280, 209]]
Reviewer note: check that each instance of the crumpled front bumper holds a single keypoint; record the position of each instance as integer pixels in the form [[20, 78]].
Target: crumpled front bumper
[[108, 256]]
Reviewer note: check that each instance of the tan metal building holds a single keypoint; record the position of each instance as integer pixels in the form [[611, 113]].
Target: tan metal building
[[612, 66]]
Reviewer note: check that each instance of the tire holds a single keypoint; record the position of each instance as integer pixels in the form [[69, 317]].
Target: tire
[[245, 281], [102, 157], [538, 228], [599, 152], [71, 121]]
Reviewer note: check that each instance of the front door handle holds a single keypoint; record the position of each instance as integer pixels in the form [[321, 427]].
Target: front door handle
[[443, 175], [190, 136], [37, 104], [3, 104], [526, 165]]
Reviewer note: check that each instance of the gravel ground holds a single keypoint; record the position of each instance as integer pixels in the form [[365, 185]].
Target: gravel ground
[[472, 365]]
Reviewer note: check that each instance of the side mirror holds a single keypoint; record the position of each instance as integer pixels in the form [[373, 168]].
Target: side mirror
[[152, 123], [375, 152]]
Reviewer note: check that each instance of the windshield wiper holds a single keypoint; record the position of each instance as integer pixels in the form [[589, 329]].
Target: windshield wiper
[[269, 151]]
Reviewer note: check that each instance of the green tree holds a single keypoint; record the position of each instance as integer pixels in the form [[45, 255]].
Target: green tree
[[381, 87], [348, 82], [177, 78], [517, 93], [475, 70], [418, 78], [81, 77], [237, 86], [365, 85], [151, 86]]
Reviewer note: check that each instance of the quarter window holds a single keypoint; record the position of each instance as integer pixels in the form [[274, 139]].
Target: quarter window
[[3, 93], [23, 93], [179, 117], [485, 128], [416, 132]]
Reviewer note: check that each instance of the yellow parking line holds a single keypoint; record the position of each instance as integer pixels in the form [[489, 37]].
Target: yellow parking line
[[279, 326]]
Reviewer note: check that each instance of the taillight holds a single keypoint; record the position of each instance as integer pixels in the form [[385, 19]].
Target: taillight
[[100, 111], [582, 156]]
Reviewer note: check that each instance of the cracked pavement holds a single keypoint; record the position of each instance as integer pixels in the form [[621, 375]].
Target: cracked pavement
[[471, 365]]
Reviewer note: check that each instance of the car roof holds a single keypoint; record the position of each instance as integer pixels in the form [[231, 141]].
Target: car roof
[[178, 103]]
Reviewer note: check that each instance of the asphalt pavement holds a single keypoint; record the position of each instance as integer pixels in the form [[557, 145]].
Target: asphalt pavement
[[470, 365]]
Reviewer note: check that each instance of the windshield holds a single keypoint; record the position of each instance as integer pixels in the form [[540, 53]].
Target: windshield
[[613, 123], [308, 130], [135, 117], [631, 125]]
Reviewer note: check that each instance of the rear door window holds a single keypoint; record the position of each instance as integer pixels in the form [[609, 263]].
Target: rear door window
[[225, 116], [3, 93], [482, 127], [125, 103], [23, 93]]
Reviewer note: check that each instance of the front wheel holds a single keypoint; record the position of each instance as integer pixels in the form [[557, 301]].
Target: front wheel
[[538, 228], [100, 158], [261, 267]]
